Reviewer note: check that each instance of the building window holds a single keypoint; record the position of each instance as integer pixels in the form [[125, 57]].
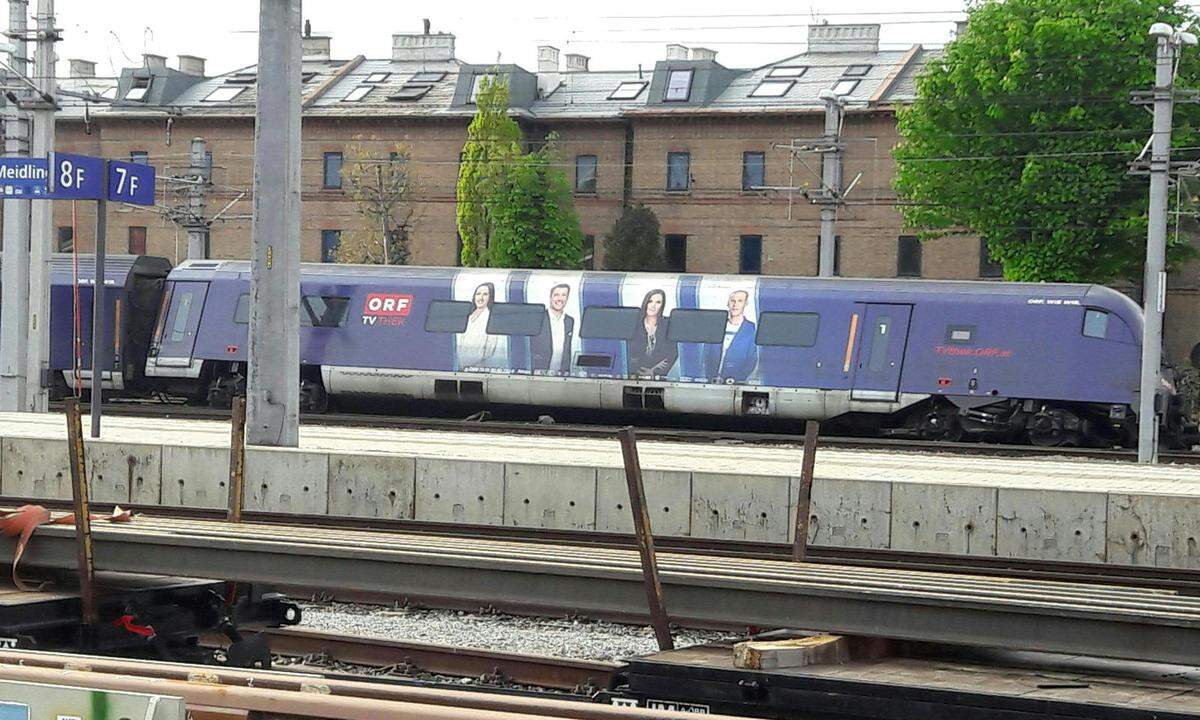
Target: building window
[[137, 240], [331, 240], [754, 170], [772, 88], [628, 90], [225, 93], [857, 71], [585, 173], [141, 157], [787, 71], [358, 93], [676, 252], [988, 268], [139, 88], [908, 257], [589, 252], [679, 173], [750, 255], [333, 170], [377, 77], [679, 86], [66, 238], [844, 87]]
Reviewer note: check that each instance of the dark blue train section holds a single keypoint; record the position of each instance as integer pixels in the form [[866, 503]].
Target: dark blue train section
[[1054, 364]]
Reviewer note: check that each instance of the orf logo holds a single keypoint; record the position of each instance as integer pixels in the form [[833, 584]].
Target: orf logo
[[386, 308]]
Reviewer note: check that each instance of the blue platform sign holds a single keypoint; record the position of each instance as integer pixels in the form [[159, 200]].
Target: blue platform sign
[[131, 183], [77, 177], [23, 177]]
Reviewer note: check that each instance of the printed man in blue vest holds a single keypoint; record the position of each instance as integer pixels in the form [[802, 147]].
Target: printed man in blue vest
[[735, 358]]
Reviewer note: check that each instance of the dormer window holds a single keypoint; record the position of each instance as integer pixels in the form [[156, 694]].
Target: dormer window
[[224, 94], [377, 77], [773, 88], [679, 86], [476, 82], [857, 71], [844, 87], [787, 71], [138, 90], [358, 93], [628, 90]]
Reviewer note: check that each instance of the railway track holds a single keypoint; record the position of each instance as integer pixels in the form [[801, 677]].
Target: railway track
[[663, 434]]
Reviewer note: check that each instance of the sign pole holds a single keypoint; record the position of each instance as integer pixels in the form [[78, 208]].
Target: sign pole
[[100, 349]]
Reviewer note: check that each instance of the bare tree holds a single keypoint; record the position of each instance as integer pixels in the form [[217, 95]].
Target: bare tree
[[380, 183]]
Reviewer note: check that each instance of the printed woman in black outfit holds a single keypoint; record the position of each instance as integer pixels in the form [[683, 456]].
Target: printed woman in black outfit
[[651, 354]]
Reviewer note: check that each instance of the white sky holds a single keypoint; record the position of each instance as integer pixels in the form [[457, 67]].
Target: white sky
[[616, 34]]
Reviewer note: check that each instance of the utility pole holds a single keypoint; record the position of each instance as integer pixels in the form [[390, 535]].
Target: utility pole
[[42, 217], [101, 350], [197, 194], [273, 385], [1154, 299], [829, 198], [14, 275]]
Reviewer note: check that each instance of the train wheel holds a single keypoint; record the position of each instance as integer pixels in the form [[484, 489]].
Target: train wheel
[[940, 424], [1055, 427], [313, 398]]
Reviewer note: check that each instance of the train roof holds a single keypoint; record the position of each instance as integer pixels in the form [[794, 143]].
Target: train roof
[[117, 267]]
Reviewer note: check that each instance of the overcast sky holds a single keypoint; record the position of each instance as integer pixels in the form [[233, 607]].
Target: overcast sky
[[616, 34]]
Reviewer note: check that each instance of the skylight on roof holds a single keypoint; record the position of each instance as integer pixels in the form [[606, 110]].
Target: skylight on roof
[[628, 90], [787, 71], [409, 93], [377, 77], [110, 92], [224, 94], [427, 77], [242, 78], [679, 86], [305, 77], [358, 93], [773, 88], [844, 87], [857, 71]]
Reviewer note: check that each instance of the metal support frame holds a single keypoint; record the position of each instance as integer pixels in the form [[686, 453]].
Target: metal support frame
[[804, 495], [645, 539], [14, 275], [41, 219]]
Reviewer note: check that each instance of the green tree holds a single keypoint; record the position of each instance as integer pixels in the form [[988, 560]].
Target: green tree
[[533, 212], [493, 145], [1023, 130], [634, 242], [381, 185]]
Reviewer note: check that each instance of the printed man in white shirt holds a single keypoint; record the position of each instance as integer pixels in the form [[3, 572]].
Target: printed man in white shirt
[[551, 348]]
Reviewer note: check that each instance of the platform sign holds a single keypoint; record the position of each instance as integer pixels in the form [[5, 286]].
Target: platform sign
[[77, 177], [14, 711], [34, 701], [131, 183], [24, 177]]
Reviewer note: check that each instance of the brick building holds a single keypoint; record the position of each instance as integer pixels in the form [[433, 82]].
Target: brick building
[[708, 148]]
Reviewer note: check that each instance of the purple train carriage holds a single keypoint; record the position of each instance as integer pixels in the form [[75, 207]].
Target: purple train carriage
[[1054, 364]]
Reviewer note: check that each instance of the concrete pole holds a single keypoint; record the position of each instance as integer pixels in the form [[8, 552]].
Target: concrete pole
[[273, 385], [831, 179], [1155, 295], [197, 229], [14, 275], [100, 348], [42, 219]]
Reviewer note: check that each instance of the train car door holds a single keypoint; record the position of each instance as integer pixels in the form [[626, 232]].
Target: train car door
[[175, 338], [880, 357]]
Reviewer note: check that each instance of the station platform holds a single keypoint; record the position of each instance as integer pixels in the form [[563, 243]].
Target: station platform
[[1038, 509]]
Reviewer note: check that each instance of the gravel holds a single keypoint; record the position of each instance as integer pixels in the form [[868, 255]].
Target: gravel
[[571, 637]]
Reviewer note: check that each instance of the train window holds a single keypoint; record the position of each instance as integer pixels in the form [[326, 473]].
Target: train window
[[960, 334], [323, 310], [879, 344], [516, 319], [179, 327], [1095, 324], [787, 329], [447, 316], [241, 314], [610, 323], [700, 326]]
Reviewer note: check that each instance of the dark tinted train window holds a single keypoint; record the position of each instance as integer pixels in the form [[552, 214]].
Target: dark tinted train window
[[702, 326], [1095, 324], [789, 329], [179, 328], [241, 314], [448, 316], [960, 334], [610, 323], [879, 343], [516, 319], [323, 310]]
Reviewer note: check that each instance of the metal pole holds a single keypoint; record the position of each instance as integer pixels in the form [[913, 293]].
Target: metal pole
[[273, 385], [804, 496], [42, 219], [645, 539], [83, 520], [197, 228], [1155, 296], [100, 349], [14, 274], [830, 198]]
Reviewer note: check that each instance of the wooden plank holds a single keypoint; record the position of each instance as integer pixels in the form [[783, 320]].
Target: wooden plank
[[793, 652], [645, 539], [804, 496], [83, 523]]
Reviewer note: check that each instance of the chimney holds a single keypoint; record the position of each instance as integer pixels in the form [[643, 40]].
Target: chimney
[[843, 38], [154, 62], [191, 65], [82, 68], [702, 53], [547, 59], [577, 62], [418, 48], [677, 52], [315, 47]]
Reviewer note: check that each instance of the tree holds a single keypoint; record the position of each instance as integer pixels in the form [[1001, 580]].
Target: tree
[[634, 243], [381, 185], [493, 145], [534, 215], [1022, 132]]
